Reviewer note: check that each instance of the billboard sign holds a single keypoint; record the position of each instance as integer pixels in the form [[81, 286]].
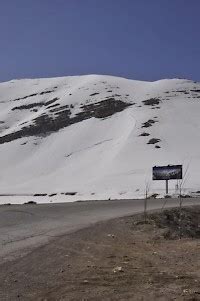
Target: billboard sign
[[169, 172]]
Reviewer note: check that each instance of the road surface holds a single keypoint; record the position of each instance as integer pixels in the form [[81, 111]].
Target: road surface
[[25, 227]]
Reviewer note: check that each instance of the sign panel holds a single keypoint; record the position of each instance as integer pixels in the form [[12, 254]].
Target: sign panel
[[170, 172]]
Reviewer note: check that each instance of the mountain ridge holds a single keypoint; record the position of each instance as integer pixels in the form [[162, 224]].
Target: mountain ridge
[[100, 133]]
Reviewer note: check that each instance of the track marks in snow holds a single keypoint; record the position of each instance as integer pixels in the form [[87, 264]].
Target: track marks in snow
[[87, 148]]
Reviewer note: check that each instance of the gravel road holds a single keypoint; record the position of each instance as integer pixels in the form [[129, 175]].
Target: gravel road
[[25, 227]]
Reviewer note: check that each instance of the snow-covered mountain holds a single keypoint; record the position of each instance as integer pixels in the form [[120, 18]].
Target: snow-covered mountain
[[91, 137]]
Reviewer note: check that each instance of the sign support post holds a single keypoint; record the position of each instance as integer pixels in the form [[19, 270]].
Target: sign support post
[[166, 187]]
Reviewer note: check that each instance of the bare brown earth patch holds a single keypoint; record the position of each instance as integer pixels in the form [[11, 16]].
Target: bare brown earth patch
[[152, 102], [45, 124], [144, 134], [153, 141], [122, 259], [149, 123]]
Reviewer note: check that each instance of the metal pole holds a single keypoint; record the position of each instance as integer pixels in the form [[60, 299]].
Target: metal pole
[[145, 209], [180, 217], [166, 187]]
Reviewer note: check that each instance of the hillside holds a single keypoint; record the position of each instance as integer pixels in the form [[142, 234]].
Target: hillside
[[96, 137]]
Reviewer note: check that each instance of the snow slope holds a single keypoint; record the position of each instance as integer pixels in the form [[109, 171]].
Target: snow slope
[[82, 134]]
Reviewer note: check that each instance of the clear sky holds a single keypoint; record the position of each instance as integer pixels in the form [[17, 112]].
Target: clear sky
[[138, 39]]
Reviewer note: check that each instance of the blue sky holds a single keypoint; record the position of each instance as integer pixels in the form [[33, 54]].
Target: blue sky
[[138, 39]]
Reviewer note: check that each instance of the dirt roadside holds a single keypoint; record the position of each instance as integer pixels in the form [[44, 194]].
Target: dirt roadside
[[121, 259]]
